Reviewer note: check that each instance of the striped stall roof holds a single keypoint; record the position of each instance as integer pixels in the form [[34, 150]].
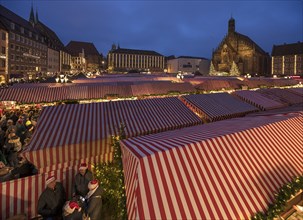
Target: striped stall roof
[[218, 106], [70, 132], [282, 94], [259, 100], [298, 91], [223, 170]]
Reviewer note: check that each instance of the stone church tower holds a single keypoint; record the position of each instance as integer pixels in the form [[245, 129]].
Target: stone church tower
[[237, 51]]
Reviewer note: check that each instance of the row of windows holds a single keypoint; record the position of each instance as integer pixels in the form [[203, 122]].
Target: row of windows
[[26, 32], [26, 59], [27, 41], [28, 68]]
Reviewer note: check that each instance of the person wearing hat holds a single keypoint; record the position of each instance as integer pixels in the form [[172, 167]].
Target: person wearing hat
[[81, 180], [94, 200], [72, 211], [51, 200]]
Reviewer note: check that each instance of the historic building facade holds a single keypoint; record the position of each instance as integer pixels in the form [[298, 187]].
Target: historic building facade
[[124, 60], [58, 59], [188, 64], [3, 53], [27, 50], [85, 57], [238, 54], [287, 59]]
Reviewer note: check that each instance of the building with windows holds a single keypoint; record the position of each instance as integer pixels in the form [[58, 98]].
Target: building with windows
[[3, 53], [238, 54], [287, 59], [84, 57], [125, 60], [26, 47], [187, 64], [58, 59]]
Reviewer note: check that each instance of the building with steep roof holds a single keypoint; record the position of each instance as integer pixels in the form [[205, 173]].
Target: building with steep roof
[[238, 51], [58, 57], [85, 56], [125, 60], [26, 47], [287, 59]]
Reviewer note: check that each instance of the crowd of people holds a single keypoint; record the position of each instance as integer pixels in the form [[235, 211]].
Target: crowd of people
[[16, 130], [85, 204]]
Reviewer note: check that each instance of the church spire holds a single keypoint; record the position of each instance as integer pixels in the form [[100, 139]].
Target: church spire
[[37, 18], [32, 16], [231, 25]]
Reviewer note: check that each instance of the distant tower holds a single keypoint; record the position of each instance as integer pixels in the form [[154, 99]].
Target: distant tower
[[32, 16], [114, 47], [231, 25], [37, 18]]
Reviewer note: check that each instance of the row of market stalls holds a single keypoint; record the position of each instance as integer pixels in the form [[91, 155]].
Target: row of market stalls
[[66, 135], [223, 170], [132, 87]]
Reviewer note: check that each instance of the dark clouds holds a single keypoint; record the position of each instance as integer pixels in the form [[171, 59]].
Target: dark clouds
[[191, 28]]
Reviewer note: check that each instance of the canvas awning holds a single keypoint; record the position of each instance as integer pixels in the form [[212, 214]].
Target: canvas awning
[[67, 133], [223, 170]]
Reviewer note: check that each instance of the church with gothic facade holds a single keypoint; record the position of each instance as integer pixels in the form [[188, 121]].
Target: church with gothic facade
[[237, 54]]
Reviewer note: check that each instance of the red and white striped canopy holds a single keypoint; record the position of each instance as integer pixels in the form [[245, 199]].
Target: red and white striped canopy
[[218, 106], [72, 132], [259, 100], [223, 170], [282, 95], [37, 94]]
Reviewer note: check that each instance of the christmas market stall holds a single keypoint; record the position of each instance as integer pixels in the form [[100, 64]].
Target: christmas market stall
[[217, 106], [230, 169], [68, 133], [258, 100]]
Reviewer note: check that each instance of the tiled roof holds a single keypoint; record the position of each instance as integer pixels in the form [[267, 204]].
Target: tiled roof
[[287, 49], [247, 39], [46, 31], [131, 51], [75, 47], [11, 16]]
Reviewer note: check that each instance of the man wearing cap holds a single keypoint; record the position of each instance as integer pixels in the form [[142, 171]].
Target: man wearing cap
[[51, 200], [72, 211], [94, 200], [82, 179]]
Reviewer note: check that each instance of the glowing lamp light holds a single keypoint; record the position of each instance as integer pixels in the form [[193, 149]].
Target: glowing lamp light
[[57, 79]]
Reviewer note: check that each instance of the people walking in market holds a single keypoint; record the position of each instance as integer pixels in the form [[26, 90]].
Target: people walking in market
[[72, 211], [82, 178], [94, 201], [51, 200]]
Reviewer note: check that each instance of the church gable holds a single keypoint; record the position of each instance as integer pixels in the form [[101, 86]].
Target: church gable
[[238, 52]]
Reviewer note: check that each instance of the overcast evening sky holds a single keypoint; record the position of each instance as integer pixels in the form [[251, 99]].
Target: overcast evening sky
[[176, 27]]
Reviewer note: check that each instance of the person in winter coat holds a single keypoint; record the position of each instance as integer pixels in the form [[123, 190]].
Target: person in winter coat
[[72, 211], [51, 200], [94, 201], [13, 147], [82, 178]]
